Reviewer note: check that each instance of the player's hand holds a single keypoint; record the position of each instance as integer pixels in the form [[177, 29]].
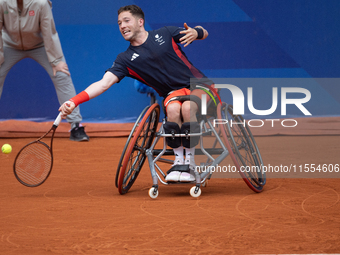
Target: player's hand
[[61, 67], [190, 35], [67, 108]]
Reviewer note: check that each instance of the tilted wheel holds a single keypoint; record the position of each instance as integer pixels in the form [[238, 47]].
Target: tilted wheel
[[242, 147], [135, 153], [133, 130]]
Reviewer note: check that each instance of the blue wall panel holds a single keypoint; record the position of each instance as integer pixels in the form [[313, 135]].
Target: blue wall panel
[[247, 39]]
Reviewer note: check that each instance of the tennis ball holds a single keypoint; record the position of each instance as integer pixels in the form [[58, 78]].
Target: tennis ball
[[6, 148]]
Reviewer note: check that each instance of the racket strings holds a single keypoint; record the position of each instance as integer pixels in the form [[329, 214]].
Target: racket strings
[[33, 164]]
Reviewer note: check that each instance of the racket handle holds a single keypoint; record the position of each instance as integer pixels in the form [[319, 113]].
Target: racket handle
[[57, 120]]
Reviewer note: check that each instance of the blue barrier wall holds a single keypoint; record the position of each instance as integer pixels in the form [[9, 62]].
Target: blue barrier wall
[[247, 39]]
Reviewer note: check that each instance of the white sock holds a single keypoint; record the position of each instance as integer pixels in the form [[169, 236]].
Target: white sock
[[179, 153], [190, 154]]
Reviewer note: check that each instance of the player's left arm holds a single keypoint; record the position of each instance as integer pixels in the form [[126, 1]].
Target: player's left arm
[[192, 34]]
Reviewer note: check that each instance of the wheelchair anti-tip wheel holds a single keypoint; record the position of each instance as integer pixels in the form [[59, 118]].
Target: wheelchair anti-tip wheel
[[153, 192], [136, 150], [242, 148], [195, 191]]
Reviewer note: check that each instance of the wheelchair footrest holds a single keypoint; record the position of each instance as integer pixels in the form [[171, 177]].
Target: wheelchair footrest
[[179, 168]]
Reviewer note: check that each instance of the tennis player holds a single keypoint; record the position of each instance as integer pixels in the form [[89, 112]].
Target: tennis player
[[28, 31], [156, 59]]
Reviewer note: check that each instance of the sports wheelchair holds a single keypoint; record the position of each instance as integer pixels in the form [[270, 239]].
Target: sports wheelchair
[[235, 140]]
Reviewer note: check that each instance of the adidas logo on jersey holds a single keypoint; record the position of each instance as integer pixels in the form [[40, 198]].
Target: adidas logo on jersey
[[134, 56]]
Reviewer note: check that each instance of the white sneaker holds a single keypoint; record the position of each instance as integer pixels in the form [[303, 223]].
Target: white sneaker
[[186, 177], [174, 175]]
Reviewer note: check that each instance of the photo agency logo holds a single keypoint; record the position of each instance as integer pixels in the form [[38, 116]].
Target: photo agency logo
[[300, 95]]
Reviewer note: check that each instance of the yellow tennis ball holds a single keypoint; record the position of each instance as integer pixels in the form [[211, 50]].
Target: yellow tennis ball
[[6, 148]]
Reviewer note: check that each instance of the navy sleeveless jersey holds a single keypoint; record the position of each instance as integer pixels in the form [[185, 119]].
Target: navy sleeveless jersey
[[159, 62]]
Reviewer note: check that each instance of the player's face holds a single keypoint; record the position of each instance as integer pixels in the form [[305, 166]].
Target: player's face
[[129, 25]]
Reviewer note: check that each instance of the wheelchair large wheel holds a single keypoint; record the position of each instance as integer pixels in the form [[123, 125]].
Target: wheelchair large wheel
[[136, 150], [134, 128], [242, 148]]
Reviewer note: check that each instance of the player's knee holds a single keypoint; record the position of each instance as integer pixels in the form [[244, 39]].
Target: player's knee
[[172, 128], [186, 110], [173, 111], [189, 110], [190, 128]]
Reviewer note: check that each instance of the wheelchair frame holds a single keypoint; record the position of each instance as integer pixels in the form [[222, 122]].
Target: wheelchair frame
[[237, 142]]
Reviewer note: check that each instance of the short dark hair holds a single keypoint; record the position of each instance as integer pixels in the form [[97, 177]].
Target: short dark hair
[[134, 10]]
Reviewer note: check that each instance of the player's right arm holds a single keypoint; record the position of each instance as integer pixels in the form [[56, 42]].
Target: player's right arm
[[92, 91], [99, 87]]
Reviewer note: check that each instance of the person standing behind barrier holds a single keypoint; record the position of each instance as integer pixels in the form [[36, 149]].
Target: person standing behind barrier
[[155, 58], [28, 31]]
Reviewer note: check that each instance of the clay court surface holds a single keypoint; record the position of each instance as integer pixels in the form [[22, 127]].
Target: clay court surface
[[78, 210]]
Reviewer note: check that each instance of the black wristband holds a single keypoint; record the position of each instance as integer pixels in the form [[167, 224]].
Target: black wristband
[[200, 32]]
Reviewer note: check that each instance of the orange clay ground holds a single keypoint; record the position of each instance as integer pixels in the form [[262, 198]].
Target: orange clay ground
[[78, 210]]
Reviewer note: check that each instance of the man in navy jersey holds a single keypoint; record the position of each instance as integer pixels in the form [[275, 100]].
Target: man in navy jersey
[[155, 59]]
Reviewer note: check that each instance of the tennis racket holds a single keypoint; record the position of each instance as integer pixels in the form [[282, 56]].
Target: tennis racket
[[34, 162]]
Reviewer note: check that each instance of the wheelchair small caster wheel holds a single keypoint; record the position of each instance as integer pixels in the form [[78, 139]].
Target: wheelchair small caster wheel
[[153, 192], [195, 191]]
